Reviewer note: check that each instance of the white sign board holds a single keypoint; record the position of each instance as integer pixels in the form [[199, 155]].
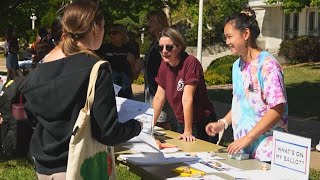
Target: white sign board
[[291, 155]]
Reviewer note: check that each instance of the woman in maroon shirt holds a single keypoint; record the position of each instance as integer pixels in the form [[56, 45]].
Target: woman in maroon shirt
[[180, 79]]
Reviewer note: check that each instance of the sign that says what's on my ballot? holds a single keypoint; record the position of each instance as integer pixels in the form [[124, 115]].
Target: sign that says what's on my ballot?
[[291, 155]]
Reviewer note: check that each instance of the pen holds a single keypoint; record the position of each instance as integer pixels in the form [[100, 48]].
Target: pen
[[209, 165]]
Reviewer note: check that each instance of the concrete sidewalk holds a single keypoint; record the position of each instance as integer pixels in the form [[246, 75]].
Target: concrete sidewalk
[[297, 126]]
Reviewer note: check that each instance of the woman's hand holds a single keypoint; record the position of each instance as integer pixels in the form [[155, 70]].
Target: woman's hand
[[214, 128], [187, 136], [239, 144]]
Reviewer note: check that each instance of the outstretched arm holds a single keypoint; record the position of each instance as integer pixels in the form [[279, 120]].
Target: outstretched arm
[[187, 102], [158, 102], [214, 128], [267, 121], [104, 117]]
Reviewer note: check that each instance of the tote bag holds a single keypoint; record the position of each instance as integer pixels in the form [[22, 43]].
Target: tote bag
[[88, 159]]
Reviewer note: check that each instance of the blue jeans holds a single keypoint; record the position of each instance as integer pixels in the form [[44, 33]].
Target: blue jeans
[[198, 129]]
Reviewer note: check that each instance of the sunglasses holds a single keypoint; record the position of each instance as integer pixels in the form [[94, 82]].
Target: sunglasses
[[168, 47]]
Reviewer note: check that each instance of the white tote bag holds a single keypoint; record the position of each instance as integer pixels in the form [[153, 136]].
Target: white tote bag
[[88, 159]]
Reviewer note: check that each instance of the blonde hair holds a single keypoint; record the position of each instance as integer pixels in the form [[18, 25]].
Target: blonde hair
[[175, 36], [79, 19]]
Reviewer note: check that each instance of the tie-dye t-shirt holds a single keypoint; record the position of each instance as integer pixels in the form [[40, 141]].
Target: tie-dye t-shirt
[[257, 86]]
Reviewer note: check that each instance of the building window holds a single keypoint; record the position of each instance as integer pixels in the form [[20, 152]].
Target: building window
[[311, 22], [291, 25], [286, 26], [295, 24]]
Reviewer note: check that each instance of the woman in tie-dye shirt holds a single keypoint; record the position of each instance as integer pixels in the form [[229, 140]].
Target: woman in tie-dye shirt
[[259, 103]]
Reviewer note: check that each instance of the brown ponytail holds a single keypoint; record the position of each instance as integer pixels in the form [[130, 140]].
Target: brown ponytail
[[78, 20]]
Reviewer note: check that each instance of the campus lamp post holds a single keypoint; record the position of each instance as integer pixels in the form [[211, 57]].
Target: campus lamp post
[[33, 18], [199, 48]]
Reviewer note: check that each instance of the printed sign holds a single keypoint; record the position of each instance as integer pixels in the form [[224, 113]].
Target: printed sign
[[291, 155]]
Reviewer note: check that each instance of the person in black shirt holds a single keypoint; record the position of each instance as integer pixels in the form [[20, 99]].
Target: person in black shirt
[[56, 91], [120, 56], [157, 21]]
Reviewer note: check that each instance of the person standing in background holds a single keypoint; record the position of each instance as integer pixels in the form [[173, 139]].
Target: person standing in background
[[157, 21], [11, 48], [42, 34], [120, 56]]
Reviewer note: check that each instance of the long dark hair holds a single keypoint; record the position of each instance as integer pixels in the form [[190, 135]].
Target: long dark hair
[[246, 19]]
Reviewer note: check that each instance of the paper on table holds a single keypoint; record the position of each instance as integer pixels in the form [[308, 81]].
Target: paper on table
[[206, 156], [258, 174], [156, 158], [206, 177], [129, 109], [116, 89], [224, 167], [144, 142], [170, 150], [142, 147]]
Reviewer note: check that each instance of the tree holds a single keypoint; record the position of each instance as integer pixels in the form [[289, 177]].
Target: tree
[[295, 5], [130, 13], [215, 12]]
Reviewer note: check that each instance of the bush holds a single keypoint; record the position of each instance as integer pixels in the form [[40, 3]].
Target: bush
[[220, 71], [145, 46], [212, 78], [301, 49], [140, 80]]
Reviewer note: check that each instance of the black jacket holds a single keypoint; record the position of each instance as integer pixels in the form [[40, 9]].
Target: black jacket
[[55, 93], [152, 64]]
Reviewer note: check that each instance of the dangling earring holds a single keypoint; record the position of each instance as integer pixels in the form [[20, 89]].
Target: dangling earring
[[246, 43]]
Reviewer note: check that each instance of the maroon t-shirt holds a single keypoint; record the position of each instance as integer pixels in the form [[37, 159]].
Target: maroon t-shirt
[[173, 79]]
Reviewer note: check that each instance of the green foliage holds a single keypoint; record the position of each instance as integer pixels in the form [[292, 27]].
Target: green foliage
[[294, 5], [220, 71], [130, 13], [140, 80], [145, 46], [17, 169], [214, 14], [314, 174], [213, 78], [301, 49], [31, 35], [124, 174]]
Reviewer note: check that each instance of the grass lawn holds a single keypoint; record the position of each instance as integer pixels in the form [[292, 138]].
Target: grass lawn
[[303, 87]]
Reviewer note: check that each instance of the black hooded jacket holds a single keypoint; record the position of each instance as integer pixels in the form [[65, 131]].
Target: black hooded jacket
[[55, 93]]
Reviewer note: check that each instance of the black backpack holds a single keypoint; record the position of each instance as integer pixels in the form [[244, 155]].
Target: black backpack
[[15, 132]]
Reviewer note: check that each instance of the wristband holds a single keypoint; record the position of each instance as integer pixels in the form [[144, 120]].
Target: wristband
[[224, 122]]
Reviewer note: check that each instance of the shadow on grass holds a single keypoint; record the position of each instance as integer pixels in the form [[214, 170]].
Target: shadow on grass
[[304, 99]]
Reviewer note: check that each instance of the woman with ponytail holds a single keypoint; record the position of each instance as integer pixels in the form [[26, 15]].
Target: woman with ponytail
[[56, 91], [259, 103]]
